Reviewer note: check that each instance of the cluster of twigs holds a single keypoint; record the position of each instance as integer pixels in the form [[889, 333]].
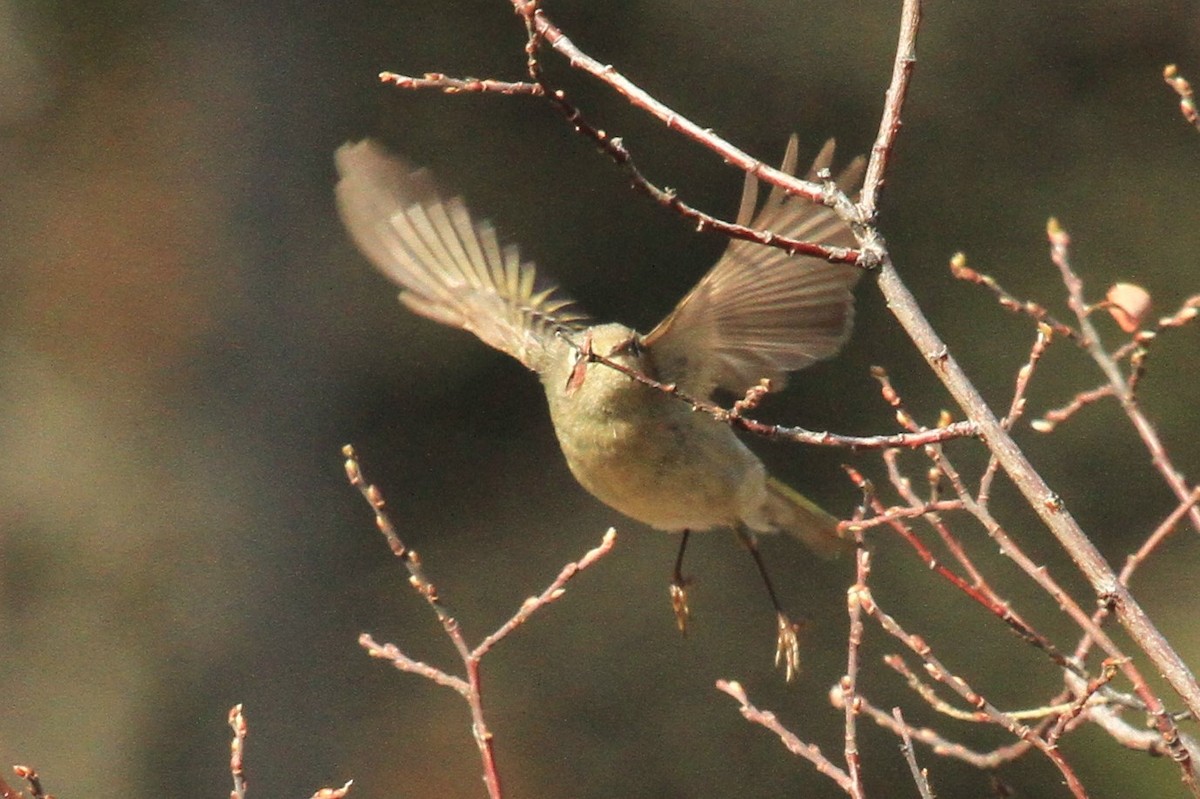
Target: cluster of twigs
[[1089, 692]]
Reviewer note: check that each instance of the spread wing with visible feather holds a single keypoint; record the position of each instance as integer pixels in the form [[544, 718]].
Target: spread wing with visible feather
[[760, 312], [451, 268]]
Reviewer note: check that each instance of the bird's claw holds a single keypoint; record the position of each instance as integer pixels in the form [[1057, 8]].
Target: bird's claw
[[679, 604], [787, 647]]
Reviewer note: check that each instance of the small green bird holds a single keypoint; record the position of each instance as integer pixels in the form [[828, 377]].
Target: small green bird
[[758, 313]]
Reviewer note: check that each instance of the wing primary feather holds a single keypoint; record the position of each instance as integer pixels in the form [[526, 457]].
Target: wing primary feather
[[451, 267], [760, 312]]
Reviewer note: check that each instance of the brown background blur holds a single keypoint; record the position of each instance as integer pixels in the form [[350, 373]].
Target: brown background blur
[[186, 339]]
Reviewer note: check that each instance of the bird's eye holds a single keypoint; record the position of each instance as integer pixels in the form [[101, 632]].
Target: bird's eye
[[630, 345]]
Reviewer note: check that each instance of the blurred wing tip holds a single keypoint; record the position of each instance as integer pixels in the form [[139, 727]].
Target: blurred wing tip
[[823, 160], [791, 155]]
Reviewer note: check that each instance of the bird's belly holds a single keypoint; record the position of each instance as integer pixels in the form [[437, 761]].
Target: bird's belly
[[672, 470]]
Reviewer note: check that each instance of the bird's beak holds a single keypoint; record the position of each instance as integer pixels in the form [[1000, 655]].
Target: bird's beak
[[579, 370]]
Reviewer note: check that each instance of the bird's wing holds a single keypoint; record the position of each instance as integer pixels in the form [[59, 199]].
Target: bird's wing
[[760, 312], [450, 267]]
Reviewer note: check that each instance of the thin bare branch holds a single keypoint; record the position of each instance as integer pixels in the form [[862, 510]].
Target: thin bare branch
[[919, 775], [1016, 407], [237, 752], [940, 745], [767, 719], [32, 780], [893, 107], [960, 270], [1060, 244], [1081, 702], [1187, 100], [552, 592], [392, 654], [470, 687], [849, 682], [1053, 418], [449, 85], [639, 98], [939, 672], [733, 416]]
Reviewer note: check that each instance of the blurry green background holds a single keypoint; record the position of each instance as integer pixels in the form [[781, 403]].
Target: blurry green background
[[187, 337]]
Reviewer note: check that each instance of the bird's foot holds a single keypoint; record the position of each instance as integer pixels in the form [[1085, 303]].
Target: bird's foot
[[679, 602], [787, 647]]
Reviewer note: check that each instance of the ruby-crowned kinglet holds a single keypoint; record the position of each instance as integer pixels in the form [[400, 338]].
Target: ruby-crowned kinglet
[[758, 313]]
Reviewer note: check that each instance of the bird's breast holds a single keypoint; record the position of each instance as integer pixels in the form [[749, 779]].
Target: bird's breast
[[650, 456]]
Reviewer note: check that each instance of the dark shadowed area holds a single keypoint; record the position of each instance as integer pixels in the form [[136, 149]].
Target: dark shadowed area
[[187, 338]]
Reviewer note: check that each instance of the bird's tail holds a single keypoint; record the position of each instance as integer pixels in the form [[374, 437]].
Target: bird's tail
[[800, 517]]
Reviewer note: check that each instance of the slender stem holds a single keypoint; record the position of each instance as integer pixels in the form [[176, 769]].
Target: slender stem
[[890, 122], [1047, 504], [1059, 242]]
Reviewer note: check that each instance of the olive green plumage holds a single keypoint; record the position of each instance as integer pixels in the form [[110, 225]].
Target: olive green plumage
[[758, 313]]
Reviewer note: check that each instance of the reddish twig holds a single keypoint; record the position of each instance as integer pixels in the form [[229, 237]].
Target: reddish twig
[[237, 751], [1016, 407], [237, 748], [1187, 101], [552, 592], [9, 792], [1060, 244], [937, 743], [849, 681], [890, 120], [1133, 561], [470, 686], [449, 85], [735, 418], [960, 270], [1159, 535], [939, 672], [32, 780], [767, 720], [919, 775], [1053, 418], [615, 149], [1082, 699], [546, 31]]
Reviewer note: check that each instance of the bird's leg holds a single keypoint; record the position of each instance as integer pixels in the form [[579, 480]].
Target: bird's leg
[[679, 584], [787, 645]]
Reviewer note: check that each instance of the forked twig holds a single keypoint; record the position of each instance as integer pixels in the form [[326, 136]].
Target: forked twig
[[469, 687], [768, 720]]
